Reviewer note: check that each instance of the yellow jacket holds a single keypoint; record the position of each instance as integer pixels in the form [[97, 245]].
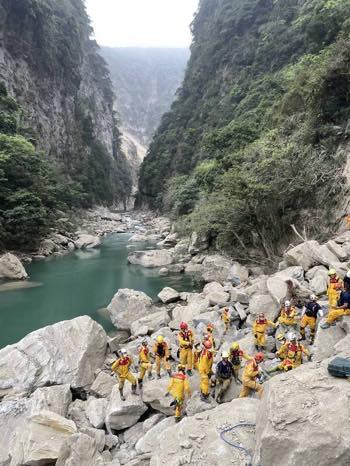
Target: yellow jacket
[[283, 351], [205, 362], [334, 284], [250, 371], [122, 365], [290, 318], [186, 339], [295, 353], [161, 350], [179, 386], [144, 355], [261, 327], [225, 317]]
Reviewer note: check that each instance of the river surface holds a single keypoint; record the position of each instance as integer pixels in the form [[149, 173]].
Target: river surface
[[82, 282]]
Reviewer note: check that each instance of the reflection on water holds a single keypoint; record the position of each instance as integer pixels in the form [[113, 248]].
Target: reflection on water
[[80, 283]]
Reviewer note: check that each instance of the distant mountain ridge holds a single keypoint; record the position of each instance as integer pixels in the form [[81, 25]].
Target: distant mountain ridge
[[145, 81]]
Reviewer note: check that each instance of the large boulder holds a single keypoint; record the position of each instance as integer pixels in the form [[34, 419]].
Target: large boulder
[[325, 339], [96, 411], [12, 268], [304, 419], [218, 298], [103, 384], [151, 322], [263, 303], [80, 450], [198, 242], [168, 295], [123, 414], [151, 258], [310, 253], [87, 242], [336, 249], [196, 439], [150, 440], [319, 282], [277, 288], [196, 405], [187, 313], [127, 306], [216, 268], [153, 393], [39, 441], [238, 273], [66, 352]]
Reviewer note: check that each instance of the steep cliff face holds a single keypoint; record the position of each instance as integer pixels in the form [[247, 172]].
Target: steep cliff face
[[145, 80], [53, 69], [251, 145]]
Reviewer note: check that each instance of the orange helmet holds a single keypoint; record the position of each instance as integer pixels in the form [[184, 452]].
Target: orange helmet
[[183, 326], [259, 357]]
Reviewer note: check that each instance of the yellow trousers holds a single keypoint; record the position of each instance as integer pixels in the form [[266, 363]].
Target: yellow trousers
[[186, 357], [236, 370], [161, 362], [260, 339], [178, 408], [251, 385], [307, 321], [129, 377], [145, 367], [335, 314], [333, 296], [204, 384]]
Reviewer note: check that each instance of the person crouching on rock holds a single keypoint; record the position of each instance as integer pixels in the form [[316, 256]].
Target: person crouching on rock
[[259, 328], [343, 308], [122, 368], [179, 387], [161, 352], [250, 375], [224, 371], [205, 369], [236, 356], [335, 285], [312, 310], [288, 318], [186, 341], [144, 362], [295, 351]]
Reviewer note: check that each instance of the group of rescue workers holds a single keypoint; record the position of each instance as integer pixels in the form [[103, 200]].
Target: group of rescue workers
[[194, 355]]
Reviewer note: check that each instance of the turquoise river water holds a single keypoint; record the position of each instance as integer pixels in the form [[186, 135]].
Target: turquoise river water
[[77, 284]]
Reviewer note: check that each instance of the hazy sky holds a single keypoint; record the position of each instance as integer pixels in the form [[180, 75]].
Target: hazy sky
[[150, 23]]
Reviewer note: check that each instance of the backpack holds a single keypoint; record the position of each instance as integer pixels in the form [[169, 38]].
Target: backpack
[[339, 367]]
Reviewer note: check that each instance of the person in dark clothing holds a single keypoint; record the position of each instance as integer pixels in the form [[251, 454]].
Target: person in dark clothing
[[312, 310], [224, 372], [342, 309]]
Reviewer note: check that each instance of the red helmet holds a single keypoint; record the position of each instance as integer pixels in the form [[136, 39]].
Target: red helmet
[[259, 357], [183, 326], [210, 326], [207, 344]]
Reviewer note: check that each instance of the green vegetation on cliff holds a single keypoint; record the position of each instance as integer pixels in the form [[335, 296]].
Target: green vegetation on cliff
[[253, 139]]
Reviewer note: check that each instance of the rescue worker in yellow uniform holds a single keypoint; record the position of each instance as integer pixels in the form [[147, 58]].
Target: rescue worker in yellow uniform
[[179, 387], [286, 365], [144, 362], [186, 342], [335, 285], [236, 355], [210, 336], [343, 308], [250, 375], [309, 318], [205, 369], [122, 368], [162, 354], [259, 328], [226, 318], [283, 350], [288, 318], [295, 351]]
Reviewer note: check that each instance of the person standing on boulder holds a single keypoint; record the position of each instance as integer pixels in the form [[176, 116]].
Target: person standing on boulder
[[259, 328], [186, 342], [122, 368], [210, 336], [161, 352], [205, 369], [343, 308], [236, 355], [226, 318], [335, 285], [295, 351], [288, 318], [179, 387], [224, 371], [144, 362], [311, 311], [250, 374]]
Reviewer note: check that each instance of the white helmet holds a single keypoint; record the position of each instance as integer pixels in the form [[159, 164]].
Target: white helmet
[[292, 336], [287, 303], [348, 273], [313, 297], [224, 354], [123, 351]]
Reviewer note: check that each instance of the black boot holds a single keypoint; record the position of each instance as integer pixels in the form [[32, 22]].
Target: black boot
[[169, 372], [122, 397], [158, 376], [133, 389], [140, 383], [177, 419]]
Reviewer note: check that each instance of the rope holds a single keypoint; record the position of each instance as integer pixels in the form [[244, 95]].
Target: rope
[[236, 445]]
